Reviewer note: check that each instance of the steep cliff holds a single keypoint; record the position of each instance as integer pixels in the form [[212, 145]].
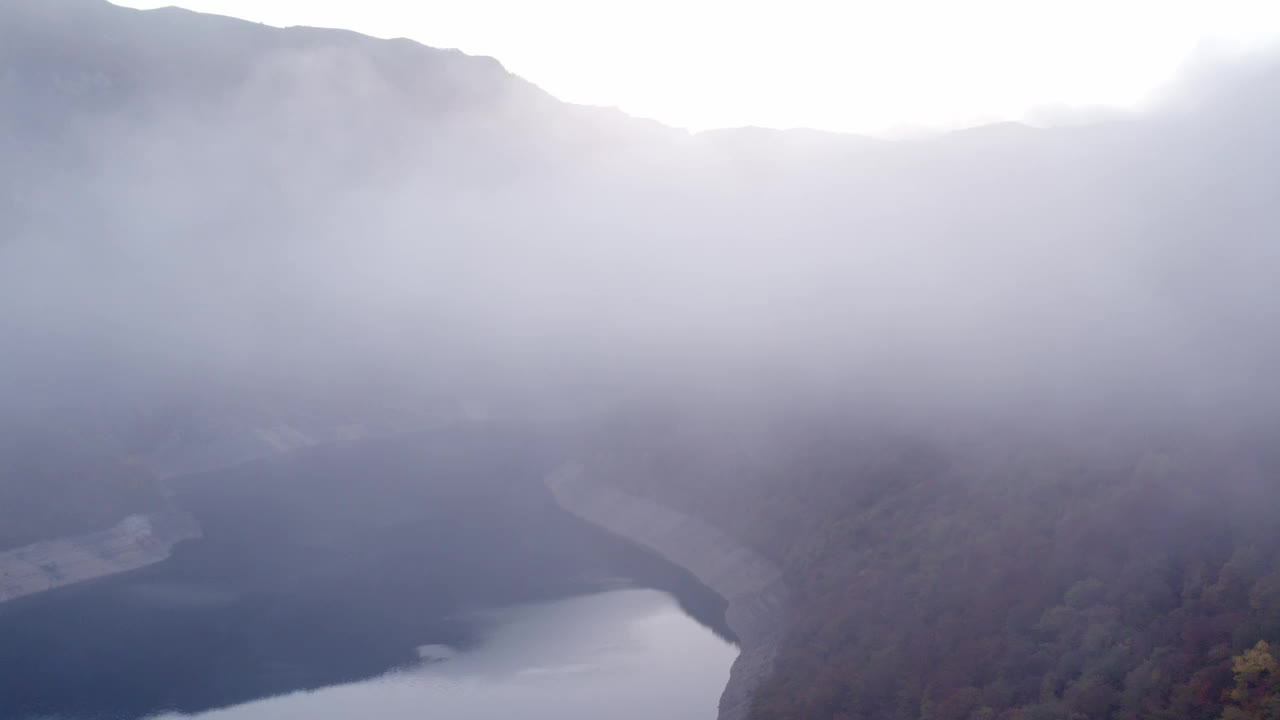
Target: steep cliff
[[753, 586]]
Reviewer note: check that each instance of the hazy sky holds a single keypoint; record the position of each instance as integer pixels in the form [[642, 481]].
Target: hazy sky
[[854, 66]]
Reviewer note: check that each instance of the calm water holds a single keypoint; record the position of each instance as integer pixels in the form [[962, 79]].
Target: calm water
[[631, 654], [322, 577]]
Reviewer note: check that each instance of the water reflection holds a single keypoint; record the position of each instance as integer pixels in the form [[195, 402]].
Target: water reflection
[[625, 654], [329, 567]]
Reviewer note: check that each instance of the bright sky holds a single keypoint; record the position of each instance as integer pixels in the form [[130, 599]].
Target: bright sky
[[858, 65]]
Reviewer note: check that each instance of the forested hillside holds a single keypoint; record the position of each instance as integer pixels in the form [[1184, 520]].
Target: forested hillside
[[1108, 574]]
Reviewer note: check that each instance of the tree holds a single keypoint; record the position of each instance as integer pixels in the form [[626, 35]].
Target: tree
[[1256, 695]]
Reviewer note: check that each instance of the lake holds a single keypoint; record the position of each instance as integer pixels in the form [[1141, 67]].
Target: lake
[[429, 575], [628, 655]]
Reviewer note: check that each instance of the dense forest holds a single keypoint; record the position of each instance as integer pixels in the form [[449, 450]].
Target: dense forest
[[1035, 578]]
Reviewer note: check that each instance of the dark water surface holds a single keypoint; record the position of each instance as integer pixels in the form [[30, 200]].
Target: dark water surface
[[343, 566]]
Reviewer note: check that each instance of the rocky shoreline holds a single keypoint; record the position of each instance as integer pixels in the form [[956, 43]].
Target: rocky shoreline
[[133, 543], [753, 586]]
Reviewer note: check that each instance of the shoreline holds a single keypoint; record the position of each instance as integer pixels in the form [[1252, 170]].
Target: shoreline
[[131, 544], [752, 586]]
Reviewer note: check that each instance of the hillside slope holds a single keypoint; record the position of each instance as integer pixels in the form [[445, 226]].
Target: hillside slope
[[1022, 577]]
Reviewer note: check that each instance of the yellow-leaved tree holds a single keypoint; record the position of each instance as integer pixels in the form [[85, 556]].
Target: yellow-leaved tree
[[1256, 695]]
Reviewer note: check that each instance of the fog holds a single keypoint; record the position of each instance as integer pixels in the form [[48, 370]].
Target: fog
[[210, 210]]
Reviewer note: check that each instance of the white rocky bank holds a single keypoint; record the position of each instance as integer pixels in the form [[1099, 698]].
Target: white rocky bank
[[135, 542], [753, 586], [141, 540]]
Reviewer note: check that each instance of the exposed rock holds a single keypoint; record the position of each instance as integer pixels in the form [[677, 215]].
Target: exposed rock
[[752, 585], [135, 542]]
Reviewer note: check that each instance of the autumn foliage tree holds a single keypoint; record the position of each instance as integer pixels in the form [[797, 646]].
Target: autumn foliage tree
[[1256, 695]]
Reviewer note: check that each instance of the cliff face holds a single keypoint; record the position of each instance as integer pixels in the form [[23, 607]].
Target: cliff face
[[753, 587], [137, 541]]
